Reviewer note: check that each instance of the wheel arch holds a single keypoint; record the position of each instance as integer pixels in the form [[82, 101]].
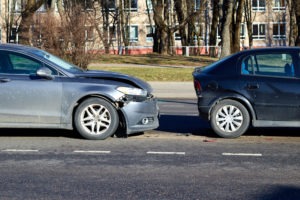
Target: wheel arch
[[239, 99], [122, 120]]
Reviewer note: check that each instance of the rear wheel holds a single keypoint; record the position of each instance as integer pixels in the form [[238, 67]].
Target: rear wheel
[[229, 119], [96, 119]]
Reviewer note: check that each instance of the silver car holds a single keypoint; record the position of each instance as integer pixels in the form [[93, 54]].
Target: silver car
[[40, 90]]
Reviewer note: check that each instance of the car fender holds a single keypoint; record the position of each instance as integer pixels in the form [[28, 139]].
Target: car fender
[[237, 97], [67, 115]]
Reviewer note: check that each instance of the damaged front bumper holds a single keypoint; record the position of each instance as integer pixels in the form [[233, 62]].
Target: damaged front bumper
[[140, 114]]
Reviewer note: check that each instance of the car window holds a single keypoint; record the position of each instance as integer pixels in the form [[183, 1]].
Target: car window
[[272, 64], [23, 65], [20, 64]]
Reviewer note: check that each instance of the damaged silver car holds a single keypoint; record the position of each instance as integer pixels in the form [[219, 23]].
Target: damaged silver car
[[40, 90]]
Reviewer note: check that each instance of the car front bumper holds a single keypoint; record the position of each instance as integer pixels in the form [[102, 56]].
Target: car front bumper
[[141, 116]]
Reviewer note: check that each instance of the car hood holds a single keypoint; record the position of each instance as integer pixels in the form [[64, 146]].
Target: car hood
[[114, 76]]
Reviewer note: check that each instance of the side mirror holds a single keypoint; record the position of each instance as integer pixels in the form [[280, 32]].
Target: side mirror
[[45, 72]]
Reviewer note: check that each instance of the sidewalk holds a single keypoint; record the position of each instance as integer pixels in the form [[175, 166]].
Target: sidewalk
[[180, 90]]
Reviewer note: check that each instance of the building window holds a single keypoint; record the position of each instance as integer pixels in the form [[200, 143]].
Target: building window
[[278, 5], [279, 31], [177, 35], [133, 33], [199, 33], [112, 33], [259, 31], [89, 33], [17, 8], [242, 31], [149, 6], [150, 33], [197, 4], [131, 5], [88, 4], [258, 5], [13, 35], [109, 5]]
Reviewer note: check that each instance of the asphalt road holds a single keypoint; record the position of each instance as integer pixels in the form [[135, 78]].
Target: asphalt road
[[181, 160]]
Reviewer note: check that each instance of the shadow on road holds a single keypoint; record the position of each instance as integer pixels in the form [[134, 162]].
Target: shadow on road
[[281, 192], [180, 124], [4, 132]]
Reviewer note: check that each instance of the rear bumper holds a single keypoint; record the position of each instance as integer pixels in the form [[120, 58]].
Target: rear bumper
[[203, 108]]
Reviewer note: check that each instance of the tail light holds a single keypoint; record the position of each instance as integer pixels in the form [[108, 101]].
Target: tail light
[[197, 86]]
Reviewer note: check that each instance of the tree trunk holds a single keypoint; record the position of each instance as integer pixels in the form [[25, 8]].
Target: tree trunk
[[24, 30], [297, 13], [237, 27], [226, 28], [160, 31], [214, 26], [180, 7], [249, 21]]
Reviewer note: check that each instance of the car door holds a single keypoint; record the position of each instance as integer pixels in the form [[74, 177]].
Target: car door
[[269, 80], [25, 97]]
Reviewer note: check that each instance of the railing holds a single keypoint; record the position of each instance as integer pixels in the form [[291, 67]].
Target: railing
[[176, 50]]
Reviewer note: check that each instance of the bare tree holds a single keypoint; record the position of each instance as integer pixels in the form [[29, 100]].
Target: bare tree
[[160, 17], [68, 35], [293, 26], [214, 28], [24, 31], [226, 27], [296, 5], [236, 25], [249, 18]]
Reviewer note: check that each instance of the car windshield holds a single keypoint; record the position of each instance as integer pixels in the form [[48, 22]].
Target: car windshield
[[58, 61]]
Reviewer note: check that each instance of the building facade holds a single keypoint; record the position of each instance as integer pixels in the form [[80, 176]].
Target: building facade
[[270, 24]]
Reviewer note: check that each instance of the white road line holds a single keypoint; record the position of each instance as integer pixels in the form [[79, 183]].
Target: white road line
[[165, 153], [20, 150], [100, 152], [242, 154]]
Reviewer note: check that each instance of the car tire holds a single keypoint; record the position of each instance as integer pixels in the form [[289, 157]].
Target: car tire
[[229, 119], [96, 119]]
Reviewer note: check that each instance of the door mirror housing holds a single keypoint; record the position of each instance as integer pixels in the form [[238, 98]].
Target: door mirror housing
[[45, 72]]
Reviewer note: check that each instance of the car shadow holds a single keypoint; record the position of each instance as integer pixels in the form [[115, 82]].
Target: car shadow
[[180, 124], [194, 125], [12, 132]]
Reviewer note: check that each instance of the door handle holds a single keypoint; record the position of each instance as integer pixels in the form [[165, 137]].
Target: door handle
[[252, 86], [4, 80]]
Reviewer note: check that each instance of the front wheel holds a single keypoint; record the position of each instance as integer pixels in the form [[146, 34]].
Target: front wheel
[[96, 119], [229, 119]]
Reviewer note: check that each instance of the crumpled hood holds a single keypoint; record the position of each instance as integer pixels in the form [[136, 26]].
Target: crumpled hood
[[97, 74]]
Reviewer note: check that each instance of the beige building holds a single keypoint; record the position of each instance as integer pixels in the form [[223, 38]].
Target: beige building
[[270, 24]]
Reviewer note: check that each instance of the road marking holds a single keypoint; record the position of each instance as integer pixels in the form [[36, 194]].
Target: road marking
[[100, 152], [242, 154], [20, 150], [165, 153]]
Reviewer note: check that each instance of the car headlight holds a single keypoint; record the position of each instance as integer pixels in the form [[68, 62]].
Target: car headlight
[[132, 91]]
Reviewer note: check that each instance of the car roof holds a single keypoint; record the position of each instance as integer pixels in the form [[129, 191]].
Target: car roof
[[9, 46], [267, 49]]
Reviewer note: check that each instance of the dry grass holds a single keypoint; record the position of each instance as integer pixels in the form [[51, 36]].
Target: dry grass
[[166, 68]]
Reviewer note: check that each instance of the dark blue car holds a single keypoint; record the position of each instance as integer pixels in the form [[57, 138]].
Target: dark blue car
[[40, 90], [259, 87]]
